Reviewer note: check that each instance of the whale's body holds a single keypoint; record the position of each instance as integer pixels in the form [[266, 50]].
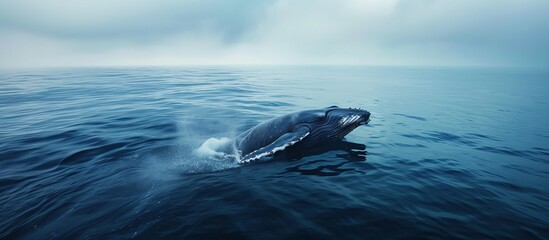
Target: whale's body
[[300, 130]]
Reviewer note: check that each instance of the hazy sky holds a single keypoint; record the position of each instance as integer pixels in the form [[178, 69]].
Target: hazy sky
[[194, 32]]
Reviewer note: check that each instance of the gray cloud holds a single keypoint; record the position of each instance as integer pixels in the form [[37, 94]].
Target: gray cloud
[[131, 20], [390, 32]]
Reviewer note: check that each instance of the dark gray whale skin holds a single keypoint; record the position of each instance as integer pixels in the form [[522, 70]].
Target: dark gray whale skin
[[300, 130]]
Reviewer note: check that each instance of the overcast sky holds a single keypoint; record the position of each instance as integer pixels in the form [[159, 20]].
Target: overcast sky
[[42, 33]]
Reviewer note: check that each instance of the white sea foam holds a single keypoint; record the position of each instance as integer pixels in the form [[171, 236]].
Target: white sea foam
[[210, 156], [212, 147]]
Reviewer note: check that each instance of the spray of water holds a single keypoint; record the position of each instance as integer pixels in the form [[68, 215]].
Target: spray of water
[[173, 160], [192, 154]]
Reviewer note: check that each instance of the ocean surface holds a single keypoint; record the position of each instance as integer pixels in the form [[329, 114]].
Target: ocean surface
[[122, 153]]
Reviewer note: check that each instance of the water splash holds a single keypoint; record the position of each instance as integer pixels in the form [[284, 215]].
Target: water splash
[[215, 147], [173, 160]]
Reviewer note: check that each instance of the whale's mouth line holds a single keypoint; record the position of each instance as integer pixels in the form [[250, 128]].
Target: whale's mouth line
[[364, 122]]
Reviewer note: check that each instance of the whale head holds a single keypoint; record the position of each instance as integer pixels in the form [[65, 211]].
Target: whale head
[[332, 123]]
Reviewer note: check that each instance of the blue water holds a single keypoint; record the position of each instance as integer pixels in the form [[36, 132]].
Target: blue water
[[121, 153]]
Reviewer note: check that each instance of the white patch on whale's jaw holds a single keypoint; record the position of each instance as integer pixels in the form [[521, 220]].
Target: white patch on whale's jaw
[[270, 154], [348, 120]]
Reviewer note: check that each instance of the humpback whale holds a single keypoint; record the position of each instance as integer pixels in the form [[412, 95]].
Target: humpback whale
[[299, 131]]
